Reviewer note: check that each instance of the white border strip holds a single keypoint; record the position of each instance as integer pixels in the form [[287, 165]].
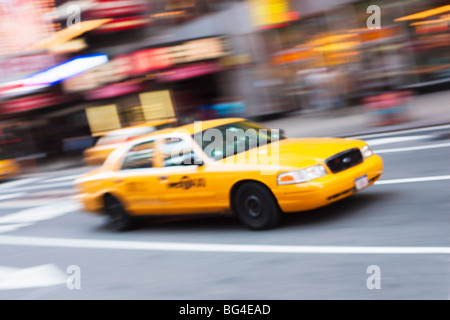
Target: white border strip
[[203, 247]]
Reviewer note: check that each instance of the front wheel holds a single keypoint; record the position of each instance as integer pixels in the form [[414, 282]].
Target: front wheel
[[118, 217], [256, 207]]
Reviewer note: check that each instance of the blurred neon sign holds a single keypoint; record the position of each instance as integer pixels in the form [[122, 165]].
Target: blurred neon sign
[[190, 51], [66, 70], [425, 14], [271, 13], [147, 61]]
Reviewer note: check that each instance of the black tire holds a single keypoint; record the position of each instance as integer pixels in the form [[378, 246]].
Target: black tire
[[119, 219], [256, 207]]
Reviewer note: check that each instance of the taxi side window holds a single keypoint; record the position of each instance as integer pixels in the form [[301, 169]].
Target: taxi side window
[[140, 156], [177, 152]]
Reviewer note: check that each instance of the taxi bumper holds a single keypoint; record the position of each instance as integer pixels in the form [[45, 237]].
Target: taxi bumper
[[91, 203], [328, 189]]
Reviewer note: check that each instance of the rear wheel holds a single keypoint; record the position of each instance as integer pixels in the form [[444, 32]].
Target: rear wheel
[[118, 216], [256, 207]]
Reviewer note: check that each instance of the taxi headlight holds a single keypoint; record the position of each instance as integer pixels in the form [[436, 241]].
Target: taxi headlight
[[366, 151], [303, 175]]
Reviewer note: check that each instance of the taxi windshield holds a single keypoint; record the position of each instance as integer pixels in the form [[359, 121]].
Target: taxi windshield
[[233, 138]]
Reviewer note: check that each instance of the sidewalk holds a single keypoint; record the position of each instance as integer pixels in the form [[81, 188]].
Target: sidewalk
[[426, 110]]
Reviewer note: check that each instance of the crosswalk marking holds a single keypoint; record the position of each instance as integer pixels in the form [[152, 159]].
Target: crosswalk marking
[[15, 183], [34, 277], [43, 186], [12, 195], [64, 178], [12, 227], [34, 200], [41, 213]]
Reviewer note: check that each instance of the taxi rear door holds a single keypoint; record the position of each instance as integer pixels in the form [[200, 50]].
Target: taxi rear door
[[184, 179], [138, 180]]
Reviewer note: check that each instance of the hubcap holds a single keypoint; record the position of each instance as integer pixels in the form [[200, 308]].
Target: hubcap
[[253, 205]]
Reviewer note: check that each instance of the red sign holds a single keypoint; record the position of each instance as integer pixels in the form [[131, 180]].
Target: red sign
[[151, 59], [114, 8], [113, 90], [34, 102]]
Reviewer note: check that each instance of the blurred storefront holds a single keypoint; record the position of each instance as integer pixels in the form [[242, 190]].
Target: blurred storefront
[[193, 59], [428, 24], [329, 57]]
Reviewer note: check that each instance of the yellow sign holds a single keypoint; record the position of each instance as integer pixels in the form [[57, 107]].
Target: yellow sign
[[270, 12], [157, 105], [102, 119]]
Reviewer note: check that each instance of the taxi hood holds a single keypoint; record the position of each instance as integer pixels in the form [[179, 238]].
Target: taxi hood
[[295, 153]]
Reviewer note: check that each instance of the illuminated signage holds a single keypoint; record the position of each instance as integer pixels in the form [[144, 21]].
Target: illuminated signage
[[425, 14], [152, 59], [68, 34], [66, 69], [157, 105], [33, 102], [22, 23], [103, 118], [190, 51], [147, 60], [114, 8], [271, 13]]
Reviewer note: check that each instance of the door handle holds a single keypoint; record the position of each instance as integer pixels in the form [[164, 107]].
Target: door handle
[[118, 181], [162, 178]]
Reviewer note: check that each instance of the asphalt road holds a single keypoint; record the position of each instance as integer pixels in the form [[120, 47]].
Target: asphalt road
[[390, 241]]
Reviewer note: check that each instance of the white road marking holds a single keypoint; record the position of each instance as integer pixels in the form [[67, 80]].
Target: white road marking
[[208, 247], [32, 215], [12, 227], [43, 186], [377, 142], [64, 178], [12, 195], [409, 180], [431, 146], [16, 183], [40, 276], [30, 203], [41, 213], [35, 199]]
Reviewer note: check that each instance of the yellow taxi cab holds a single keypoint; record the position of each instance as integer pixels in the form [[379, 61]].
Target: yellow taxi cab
[[229, 166], [98, 153], [8, 168]]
